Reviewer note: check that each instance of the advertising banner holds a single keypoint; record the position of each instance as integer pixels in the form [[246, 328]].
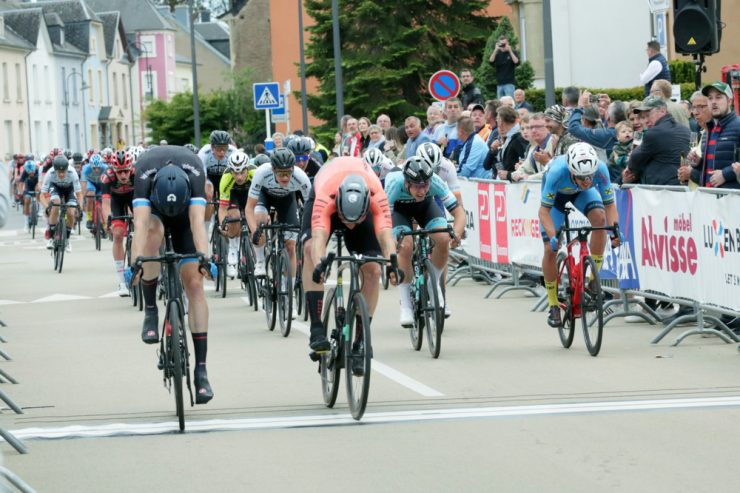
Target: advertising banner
[[619, 263], [525, 240], [471, 243], [501, 218]]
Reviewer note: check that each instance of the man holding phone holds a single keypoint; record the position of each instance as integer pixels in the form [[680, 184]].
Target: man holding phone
[[504, 59]]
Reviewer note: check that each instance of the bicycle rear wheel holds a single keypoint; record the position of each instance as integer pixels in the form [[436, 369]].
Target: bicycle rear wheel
[[357, 355], [250, 281], [34, 218], [433, 311], [330, 362], [98, 228], [224, 247], [284, 286], [62, 244], [592, 307], [269, 289], [566, 331], [174, 348]]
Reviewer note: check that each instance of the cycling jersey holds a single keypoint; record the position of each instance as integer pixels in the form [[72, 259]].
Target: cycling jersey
[[395, 188], [92, 176], [264, 182], [70, 181], [231, 192], [312, 167], [212, 165], [112, 185], [29, 181], [325, 189], [447, 171], [558, 181]]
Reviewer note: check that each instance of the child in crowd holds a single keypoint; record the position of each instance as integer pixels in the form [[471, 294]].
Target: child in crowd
[[621, 153]]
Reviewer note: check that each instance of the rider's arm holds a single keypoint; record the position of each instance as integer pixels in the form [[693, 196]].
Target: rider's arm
[[44, 196], [197, 211], [319, 238], [611, 213], [224, 196], [458, 214], [546, 221], [387, 242], [249, 213]]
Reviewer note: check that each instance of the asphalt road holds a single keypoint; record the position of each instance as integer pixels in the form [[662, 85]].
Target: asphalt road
[[505, 408]]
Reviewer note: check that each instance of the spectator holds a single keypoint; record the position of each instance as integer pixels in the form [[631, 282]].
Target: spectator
[[541, 150], [446, 135], [663, 89], [415, 136], [393, 145], [470, 92], [490, 118], [478, 114], [435, 118], [571, 96], [556, 116], [715, 168], [635, 120], [377, 139], [277, 140], [693, 126], [620, 152], [384, 122], [472, 151], [520, 100], [337, 149], [511, 145], [363, 124], [504, 59], [522, 112], [656, 160], [600, 138], [507, 101], [657, 69], [352, 139]]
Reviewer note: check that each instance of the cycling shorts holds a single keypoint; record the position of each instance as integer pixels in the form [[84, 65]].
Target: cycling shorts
[[179, 227], [286, 208], [121, 205], [585, 201], [426, 213], [64, 195]]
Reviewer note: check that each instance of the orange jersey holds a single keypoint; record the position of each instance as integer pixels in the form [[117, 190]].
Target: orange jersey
[[326, 184]]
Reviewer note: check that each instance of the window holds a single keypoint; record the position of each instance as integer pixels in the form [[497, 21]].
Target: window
[[171, 82], [22, 134], [47, 84], [93, 135], [6, 93], [36, 139], [93, 44], [148, 46], [75, 92], [77, 136], [91, 94], [149, 84], [35, 72], [128, 137], [115, 88], [18, 83], [50, 140], [100, 85], [124, 91], [184, 85], [9, 135], [64, 86]]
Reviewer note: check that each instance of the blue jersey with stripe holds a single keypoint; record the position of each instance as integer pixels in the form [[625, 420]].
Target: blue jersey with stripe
[[558, 181], [92, 175], [395, 189]]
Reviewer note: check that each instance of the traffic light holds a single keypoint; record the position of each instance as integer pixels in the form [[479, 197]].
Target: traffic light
[[697, 26]]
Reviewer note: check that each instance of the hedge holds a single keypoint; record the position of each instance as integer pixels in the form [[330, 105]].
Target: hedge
[[536, 97]]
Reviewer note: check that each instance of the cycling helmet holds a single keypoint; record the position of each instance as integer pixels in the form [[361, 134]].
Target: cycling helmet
[[29, 157], [60, 163], [95, 161], [374, 158], [220, 137], [29, 167], [122, 161], [238, 162], [190, 147], [582, 159], [353, 199], [67, 153], [299, 146], [170, 193], [90, 152], [106, 153], [282, 159], [261, 159], [19, 156], [430, 153], [416, 170], [77, 157]]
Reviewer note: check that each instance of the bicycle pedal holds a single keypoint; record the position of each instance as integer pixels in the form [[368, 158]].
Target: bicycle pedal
[[314, 356]]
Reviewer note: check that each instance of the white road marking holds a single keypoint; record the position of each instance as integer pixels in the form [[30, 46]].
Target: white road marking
[[9, 232], [60, 297], [114, 294], [124, 429], [10, 302]]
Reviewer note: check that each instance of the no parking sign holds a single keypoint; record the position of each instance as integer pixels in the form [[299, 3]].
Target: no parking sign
[[444, 85]]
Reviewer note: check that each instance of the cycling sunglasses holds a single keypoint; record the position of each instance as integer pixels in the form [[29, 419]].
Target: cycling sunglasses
[[302, 158]]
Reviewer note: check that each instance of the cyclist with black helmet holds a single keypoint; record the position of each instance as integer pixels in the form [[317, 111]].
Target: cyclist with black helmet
[[29, 184], [92, 172], [78, 161], [347, 196], [580, 178], [412, 195], [215, 158], [117, 187], [234, 191], [169, 192], [301, 149], [61, 185], [275, 185]]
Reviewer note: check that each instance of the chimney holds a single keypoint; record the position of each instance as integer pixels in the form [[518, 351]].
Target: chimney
[[181, 14], [205, 16]]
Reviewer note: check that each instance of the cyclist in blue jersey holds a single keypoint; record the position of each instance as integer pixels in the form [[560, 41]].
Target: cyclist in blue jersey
[[90, 180], [28, 185], [411, 195], [581, 179]]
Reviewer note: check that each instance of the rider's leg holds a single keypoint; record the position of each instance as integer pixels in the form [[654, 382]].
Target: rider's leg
[[192, 281], [597, 217], [371, 285], [261, 216], [119, 233]]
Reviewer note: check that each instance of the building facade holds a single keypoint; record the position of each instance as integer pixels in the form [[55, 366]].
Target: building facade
[[14, 134]]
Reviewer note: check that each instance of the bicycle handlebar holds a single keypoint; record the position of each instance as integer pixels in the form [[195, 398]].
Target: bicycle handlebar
[[276, 226], [169, 257], [427, 232]]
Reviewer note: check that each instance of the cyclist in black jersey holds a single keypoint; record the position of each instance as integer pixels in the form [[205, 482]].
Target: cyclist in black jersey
[[301, 149]]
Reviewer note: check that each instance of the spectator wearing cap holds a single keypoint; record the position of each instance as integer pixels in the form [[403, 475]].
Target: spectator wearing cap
[[435, 118], [520, 100], [511, 144], [585, 125], [472, 151], [657, 68], [663, 89], [504, 59], [478, 114], [556, 117], [716, 167], [470, 93], [415, 136], [657, 159]]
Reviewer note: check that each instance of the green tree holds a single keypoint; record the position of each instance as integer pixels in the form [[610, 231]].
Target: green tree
[[485, 76], [389, 51]]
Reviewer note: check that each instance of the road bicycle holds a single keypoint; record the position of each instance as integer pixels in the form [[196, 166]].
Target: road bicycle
[[219, 256], [579, 286], [33, 218], [98, 231], [174, 357], [245, 266], [299, 294], [427, 306], [347, 321], [61, 235], [133, 290]]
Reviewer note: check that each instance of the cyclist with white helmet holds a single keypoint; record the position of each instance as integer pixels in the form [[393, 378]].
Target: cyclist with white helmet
[[431, 153], [379, 163], [580, 178], [234, 191]]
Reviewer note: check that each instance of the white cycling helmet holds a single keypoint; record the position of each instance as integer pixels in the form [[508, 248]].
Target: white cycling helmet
[[238, 161], [136, 152], [431, 154], [582, 159], [374, 158]]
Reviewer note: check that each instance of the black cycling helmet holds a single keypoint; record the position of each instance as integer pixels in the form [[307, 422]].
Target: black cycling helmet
[[417, 170], [67, 153], [77, 157], [300, 146], [190, 147], [170, 191], [261, 159], [282, 159], [353, 199], [60, 163], [220, 137]]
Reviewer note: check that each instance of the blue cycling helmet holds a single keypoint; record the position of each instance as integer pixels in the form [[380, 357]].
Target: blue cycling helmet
[[96, 161], [29, 167]]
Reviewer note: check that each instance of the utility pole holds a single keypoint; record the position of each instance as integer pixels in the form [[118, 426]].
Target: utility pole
[[304, 103], [196, 106], [337, 62]]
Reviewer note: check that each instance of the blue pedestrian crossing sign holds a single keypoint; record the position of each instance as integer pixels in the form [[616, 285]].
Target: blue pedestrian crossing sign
[[266, 95]]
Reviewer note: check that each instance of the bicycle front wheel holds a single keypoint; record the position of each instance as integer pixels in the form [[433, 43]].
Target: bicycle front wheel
[[284, 293], [330, 362], [98, 229], [566, 331], [174, 348], [224, 247], [592, 307], [434, 317], [357, 355], [418, 301], [62, 243], [269, 289]]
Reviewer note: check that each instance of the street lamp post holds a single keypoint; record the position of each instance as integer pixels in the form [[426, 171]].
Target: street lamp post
[[66, 103], [304, 105], [337, 62], [196, 105]]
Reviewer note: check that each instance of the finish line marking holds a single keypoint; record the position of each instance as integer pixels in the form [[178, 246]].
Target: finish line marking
[[131, 429]]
